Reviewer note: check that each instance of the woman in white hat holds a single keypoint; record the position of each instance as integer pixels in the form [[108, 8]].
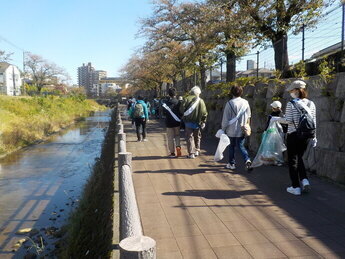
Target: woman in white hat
[[297, 142]]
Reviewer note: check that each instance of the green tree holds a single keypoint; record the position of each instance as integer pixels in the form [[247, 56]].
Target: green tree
[[273, 19]]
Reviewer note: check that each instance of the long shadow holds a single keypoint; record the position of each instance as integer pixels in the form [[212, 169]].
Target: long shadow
[[321, 212], [174, 171], [213, 194]]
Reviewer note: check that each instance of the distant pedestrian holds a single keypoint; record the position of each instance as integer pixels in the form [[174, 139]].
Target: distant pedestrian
[[140, 116], [236, 115], [171, 110], [301, 118], [148, 104], [194, 113]]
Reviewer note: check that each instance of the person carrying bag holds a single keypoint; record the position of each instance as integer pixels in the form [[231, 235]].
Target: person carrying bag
[[236, 125]]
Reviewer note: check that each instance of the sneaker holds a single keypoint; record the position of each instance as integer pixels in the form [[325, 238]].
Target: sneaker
[[305, 185], [294, 191], [172, 155], [197, 153], [192, 156], [230, 166], [178, 151], [249, 165], [139, 140], [145, 140]]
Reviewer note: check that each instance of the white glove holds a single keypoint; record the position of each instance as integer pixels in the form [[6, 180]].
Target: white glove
[[202, 125]]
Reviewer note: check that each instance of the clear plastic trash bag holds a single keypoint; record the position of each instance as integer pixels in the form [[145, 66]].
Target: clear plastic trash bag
[[272, 146], [224, 141]]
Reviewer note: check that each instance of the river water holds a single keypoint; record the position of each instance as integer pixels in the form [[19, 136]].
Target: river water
[[41, 184]]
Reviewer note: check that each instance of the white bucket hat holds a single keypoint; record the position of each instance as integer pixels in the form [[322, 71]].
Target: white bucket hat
[[196, 90], [276, 104], [298, 84]]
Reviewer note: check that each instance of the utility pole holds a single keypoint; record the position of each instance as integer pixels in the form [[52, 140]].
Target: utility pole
[[303, 40], [14, 82], [257, 64], [342, 29]]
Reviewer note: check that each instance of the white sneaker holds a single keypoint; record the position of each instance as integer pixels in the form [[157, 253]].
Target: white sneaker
[[197, 153], [248, 165], [230, 166], [294, 191], [305, 185], [145, 140], [192, 156]]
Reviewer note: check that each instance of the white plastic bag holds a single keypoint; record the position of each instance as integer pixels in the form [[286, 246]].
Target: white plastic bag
[[272, 147], [224, 141]]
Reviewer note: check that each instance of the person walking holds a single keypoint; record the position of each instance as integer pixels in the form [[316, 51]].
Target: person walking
[[298, 110], [173, 121], [140, 116], [194, 113], [236, 114]]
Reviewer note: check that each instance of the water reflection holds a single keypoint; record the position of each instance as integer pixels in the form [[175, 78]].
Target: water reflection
[[40, 184]]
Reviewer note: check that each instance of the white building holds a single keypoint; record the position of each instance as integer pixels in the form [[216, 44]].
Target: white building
[[101, 88], [10, 80]]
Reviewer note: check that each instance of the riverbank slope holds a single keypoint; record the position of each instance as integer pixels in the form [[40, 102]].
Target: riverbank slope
[[25, 120]]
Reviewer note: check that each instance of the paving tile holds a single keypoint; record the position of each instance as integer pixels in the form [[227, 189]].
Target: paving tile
[[264, 251], [278, 235], [169, 255], [193, 243], [295, 248], [232, 252], [200, 254], [251, 237], [221, 240], [323, 246], [239, 226], [211, 229], [167, 245], [264, 223], [157, 232], [186, 231]]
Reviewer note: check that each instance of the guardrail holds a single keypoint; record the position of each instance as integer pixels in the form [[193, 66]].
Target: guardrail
[[133, 243]]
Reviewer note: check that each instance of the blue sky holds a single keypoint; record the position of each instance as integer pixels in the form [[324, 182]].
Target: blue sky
[[72, 32]]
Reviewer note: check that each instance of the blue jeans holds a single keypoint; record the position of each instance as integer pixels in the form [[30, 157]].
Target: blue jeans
[[239, 142]]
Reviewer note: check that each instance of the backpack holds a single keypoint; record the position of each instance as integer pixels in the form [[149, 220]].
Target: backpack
[[306, 126], [138, 111]]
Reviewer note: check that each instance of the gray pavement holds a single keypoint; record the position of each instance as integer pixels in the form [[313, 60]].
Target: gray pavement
[[198, 209]]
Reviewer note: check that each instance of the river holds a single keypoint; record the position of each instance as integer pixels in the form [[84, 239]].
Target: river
[[41, 184]]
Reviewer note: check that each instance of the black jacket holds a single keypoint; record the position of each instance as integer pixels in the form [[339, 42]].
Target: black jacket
[[174, 105], [276, 114]]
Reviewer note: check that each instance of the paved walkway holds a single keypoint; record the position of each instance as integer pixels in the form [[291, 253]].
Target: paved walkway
[[198, 209]]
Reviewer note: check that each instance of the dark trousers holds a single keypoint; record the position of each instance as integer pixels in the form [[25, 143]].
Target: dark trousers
[[296, 148], [140, 123]]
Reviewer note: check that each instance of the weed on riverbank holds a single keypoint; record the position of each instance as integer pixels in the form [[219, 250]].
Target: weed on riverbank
[[89, 232], [25, 120]]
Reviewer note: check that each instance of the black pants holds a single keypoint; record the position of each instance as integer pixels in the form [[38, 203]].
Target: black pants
[[141, 122], [296, 148]]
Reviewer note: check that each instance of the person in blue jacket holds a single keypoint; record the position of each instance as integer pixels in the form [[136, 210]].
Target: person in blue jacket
[[139, 113]]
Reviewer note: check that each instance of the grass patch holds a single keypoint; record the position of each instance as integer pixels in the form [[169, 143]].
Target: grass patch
[[25, 120], [90, 232]]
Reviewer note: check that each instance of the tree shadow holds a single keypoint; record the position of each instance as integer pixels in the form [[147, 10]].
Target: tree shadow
[[213, 194]]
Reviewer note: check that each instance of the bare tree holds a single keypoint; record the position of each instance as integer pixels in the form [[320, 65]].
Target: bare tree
[[43, 72], [4, 56]]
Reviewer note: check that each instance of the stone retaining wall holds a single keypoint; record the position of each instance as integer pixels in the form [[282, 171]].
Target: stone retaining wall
[[329, 157]]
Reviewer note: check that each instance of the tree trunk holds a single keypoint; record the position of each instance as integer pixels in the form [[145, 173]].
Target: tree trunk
[[281, 57], [202, 75], [230, 66]]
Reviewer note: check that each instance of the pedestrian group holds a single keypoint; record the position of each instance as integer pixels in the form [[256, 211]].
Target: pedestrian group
[[296, 128]]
